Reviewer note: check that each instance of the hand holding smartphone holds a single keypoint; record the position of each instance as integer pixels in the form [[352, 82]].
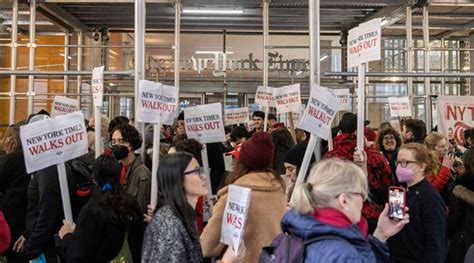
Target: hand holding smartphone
[[396, 202]]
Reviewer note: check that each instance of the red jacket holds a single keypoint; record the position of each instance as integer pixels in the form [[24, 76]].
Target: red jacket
[[5, 237], [380, 175], [439, 181]]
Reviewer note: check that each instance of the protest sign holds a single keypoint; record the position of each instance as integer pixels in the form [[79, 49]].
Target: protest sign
[[364, 43], [204, 123], [288, 98], [264, 96], [455, 114], [236, 116], [53, 141], [235, 215], [321, 110], [399, 107], [345, 100], [63, 105], [98, 85], [157, 103]]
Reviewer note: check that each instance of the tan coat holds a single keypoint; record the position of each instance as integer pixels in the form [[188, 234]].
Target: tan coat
[[267, 206]]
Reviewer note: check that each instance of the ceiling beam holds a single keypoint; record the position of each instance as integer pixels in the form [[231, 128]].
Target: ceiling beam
[[62, 17], [447, 33]]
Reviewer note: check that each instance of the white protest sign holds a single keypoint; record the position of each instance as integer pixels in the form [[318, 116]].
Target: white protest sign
[[399, 107], [321, 110], [288, 99], [235, 215], [156, 100], [455, 114], [236, 116], [98, 85], [53, 141], [344, 99], [204, 123], [264, 96], [63, 105], [364, 43]]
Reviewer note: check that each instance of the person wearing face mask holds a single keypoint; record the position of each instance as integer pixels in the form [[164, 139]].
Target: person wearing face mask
[[424, 239], [412, 130], [330, 204], [135, 177], [388, 140]]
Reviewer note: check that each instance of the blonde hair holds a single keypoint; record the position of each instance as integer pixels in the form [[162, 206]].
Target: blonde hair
[[326, 180], [433, 138]]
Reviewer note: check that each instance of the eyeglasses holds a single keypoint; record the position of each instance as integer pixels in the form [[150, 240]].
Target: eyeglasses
[[389, 137], [362, 194], [199, 171], [404, 163]]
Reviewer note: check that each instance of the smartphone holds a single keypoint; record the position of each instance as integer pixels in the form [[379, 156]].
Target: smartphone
[[396, 202]]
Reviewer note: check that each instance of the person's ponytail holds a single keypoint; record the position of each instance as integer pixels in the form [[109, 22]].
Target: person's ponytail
[[302, 202]]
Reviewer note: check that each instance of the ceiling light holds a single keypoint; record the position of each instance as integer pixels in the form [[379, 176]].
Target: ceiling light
[[384, 21], [214, 11], [323, 57]]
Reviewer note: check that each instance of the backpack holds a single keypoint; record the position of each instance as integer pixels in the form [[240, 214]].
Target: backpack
[[289, 248]]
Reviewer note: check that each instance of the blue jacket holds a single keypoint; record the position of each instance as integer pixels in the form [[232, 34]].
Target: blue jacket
[[352, 247]]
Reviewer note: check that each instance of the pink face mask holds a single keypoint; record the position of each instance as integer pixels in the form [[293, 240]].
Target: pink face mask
[[404, 174]]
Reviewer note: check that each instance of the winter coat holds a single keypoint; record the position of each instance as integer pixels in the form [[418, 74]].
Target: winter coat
[[461, 218], [96, 238], [166, 240], [138, 183], [380, 176], [424, 238], [267, 206], [351, 246], [440, 179], [44, 213], [13, 185], [215, 156]]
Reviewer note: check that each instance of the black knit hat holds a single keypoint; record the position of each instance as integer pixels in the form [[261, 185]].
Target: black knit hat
[[348, 123], [296, 154]]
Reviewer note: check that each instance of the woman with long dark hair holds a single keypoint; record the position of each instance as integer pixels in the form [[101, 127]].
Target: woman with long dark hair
[[172, 235], [100, 231]]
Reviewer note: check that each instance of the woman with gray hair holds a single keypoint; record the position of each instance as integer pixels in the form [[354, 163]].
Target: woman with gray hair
[[330, 204]]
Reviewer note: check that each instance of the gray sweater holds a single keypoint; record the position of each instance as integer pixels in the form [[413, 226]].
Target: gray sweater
[[166, 240]]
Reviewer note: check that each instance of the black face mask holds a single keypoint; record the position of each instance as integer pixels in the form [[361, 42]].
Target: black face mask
[[120, 152]]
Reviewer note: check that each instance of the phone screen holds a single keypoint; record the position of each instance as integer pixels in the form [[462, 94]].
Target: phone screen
[[396, 201]]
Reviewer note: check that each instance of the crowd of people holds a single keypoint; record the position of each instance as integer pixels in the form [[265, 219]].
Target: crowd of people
[[344, 199]]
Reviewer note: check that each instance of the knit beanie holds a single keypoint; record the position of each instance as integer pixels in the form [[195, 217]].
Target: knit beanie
[[348, 123], [296, 154], [257, 152]]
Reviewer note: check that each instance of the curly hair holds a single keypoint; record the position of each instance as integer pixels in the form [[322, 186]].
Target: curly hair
[[129, 134], [388, 131]]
